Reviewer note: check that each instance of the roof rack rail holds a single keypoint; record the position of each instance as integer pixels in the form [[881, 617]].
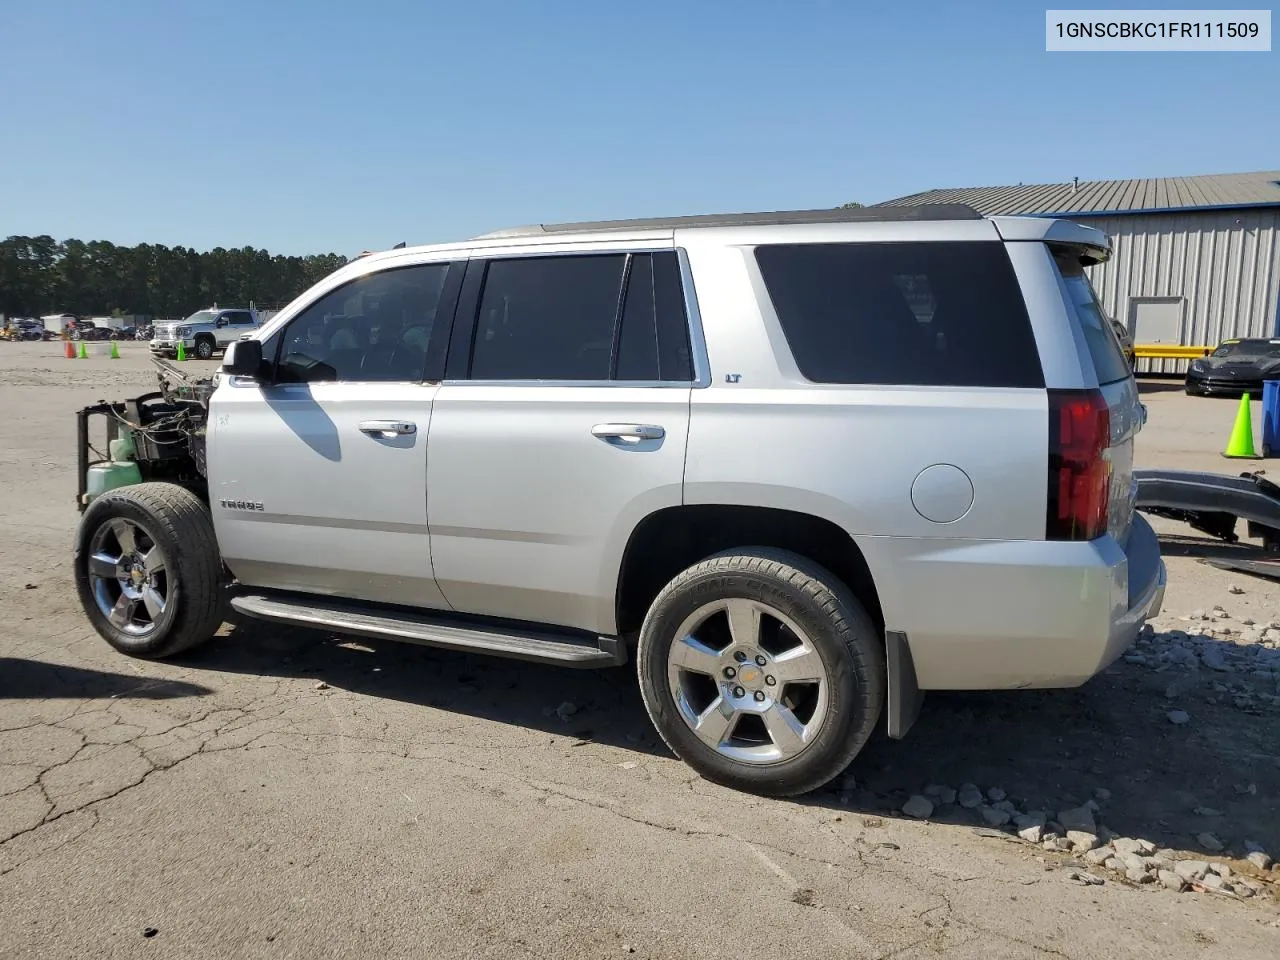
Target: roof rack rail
[[923, 211]]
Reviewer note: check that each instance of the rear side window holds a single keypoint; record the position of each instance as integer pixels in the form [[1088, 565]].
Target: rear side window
[[653, 342], [590, 317], [1099, 333], [913, 314], [548, 318]]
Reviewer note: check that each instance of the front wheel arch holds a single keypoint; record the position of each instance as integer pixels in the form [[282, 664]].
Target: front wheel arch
[[174, 520]]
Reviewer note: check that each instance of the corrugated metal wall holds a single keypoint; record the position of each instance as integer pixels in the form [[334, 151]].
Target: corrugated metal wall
[[1225, 264]]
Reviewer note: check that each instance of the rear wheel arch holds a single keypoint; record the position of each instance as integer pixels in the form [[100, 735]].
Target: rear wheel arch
[[669, 541]]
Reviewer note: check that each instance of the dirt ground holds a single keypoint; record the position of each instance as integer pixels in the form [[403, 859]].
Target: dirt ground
[[283, 793]]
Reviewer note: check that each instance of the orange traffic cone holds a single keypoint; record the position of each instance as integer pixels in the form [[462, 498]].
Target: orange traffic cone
[[71, 350]]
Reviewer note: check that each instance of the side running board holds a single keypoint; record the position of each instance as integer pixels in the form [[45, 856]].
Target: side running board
[[519, 643]]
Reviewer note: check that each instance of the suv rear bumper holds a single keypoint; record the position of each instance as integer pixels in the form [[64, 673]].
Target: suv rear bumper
[[1000, 615]]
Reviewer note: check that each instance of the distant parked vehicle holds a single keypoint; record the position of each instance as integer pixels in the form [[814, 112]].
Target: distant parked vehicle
[[1235, 367], [204, 332]]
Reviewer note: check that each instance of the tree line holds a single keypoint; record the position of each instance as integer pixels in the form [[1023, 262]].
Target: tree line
[[40, 276]]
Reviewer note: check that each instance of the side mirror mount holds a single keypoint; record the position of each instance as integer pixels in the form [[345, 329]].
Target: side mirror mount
[[243, 358], [220, 322]]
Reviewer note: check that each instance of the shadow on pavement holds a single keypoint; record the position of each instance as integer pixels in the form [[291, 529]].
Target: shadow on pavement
[[37, 680], [1148, 384], [605, 704], [1110, 741]]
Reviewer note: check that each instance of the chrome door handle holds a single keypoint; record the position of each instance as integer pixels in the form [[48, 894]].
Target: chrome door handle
[[388, 428], [628, 432]]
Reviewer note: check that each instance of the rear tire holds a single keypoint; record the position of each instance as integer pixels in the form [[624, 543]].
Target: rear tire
[[148, 571], [761, 671]]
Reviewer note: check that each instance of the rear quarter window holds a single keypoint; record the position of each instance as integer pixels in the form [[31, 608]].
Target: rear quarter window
[[1109, 362], [912, 314]]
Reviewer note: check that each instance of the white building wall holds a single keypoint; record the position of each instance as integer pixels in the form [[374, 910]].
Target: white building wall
[[1224, 266]]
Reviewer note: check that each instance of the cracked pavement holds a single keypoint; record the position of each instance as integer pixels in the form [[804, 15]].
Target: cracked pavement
[[429, 803]]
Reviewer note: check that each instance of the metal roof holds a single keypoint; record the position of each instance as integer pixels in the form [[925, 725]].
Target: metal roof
[[1100, 197], [880, 212]]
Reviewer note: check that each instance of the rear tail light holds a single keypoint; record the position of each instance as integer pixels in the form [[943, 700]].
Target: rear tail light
[[1079, 465]]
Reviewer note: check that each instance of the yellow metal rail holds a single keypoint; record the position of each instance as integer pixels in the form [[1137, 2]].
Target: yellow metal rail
[[1169, 351]]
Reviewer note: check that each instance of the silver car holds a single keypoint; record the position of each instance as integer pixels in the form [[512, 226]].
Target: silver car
[[801, 467]]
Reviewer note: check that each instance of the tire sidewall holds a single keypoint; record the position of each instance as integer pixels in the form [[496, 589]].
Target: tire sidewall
[[100, 512], [204, 348], [849, 694]]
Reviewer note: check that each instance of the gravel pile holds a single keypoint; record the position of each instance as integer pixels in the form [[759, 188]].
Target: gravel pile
[[1079, 833]]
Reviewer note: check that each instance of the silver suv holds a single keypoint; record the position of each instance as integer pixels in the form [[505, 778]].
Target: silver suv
[[800, 466], [204, 332]]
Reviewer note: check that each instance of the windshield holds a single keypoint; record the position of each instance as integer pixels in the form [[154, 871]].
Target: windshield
[[201, 316], [1249, 350]]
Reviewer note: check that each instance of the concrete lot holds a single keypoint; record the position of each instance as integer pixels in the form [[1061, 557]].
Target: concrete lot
[[282, 793]]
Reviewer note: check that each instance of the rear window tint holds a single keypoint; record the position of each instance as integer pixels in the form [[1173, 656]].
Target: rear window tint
[[915, 314], [1109, 361]]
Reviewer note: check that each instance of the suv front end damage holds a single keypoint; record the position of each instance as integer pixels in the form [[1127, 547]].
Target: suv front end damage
[[156, 436]]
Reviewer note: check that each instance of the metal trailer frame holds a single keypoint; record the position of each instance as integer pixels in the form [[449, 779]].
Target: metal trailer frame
[[1213, 503]]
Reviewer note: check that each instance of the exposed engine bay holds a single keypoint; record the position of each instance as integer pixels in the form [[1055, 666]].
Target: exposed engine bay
[[155, 436]]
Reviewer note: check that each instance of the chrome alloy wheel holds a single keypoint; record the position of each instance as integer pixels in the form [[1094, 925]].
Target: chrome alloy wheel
[[128, 576], [747, 681]]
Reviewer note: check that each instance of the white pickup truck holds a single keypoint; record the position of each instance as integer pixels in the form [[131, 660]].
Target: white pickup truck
[[204, 332]]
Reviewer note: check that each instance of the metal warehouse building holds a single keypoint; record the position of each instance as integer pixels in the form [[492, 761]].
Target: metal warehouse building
[[1195, 260]]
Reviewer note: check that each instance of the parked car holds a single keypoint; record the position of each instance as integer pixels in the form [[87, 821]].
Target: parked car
[[1235, 367], [29, 329], [771, 457], [205, 332], [87, 331]]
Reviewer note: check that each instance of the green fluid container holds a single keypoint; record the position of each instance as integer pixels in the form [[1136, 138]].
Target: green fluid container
[[121, 448], [108, 476]]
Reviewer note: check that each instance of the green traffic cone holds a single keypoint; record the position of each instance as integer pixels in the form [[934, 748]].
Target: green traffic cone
[[1240, 446], [182, 351], [84, 351], [115, 351]]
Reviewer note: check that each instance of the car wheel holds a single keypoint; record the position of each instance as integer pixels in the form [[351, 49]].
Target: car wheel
[[761, 671], [148, 571], [204, 348]]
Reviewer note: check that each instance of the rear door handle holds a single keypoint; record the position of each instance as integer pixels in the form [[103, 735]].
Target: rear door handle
[[628, 432], [388, 428]]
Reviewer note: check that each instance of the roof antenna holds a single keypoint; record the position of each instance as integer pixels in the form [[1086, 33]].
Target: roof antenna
[[399, 246]]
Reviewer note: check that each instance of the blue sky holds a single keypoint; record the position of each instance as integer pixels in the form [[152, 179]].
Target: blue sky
[[314, 126]]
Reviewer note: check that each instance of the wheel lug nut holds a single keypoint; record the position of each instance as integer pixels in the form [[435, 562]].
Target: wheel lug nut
[[759, 659], [739, 692], [759, 696], [730, 673], [740, 657], [769, 681]]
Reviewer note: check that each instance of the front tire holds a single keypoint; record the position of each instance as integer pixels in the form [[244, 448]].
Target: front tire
[[761, 671], [204, 348], [148, 571]]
